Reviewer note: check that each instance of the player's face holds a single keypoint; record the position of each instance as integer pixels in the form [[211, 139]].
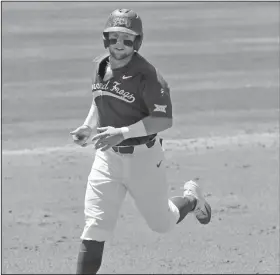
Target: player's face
[[121, 44]]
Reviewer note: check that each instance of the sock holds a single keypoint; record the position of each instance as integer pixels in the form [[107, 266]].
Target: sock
[[185, 205], [90, 257]]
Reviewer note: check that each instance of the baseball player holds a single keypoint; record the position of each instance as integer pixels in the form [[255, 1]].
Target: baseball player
[[131, 105]]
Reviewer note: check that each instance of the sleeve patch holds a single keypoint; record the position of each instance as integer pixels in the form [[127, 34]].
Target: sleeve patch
[[160, 108]]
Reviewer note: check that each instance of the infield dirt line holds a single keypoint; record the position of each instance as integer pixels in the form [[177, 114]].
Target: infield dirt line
[[192, 145]]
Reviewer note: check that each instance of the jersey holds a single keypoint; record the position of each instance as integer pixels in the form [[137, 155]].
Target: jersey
[[134, 92]]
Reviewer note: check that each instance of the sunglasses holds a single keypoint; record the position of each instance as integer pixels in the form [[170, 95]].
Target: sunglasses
[[127, 43]]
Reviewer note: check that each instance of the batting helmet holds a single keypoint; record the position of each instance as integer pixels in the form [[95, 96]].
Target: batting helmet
[[124, 20]]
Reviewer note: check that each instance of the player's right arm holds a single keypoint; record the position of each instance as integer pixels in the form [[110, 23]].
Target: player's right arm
[[91, 119], [83, 132]]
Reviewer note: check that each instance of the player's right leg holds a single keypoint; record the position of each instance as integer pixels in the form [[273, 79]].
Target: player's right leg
[[104, 196], [90, 257]]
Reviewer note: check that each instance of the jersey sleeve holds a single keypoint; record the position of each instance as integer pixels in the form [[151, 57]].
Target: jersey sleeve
[[95, 74], [93, 81], [156, 95], [95, 68]]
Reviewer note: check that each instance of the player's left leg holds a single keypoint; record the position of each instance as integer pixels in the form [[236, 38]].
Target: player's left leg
[[193, 201], [150, 190]]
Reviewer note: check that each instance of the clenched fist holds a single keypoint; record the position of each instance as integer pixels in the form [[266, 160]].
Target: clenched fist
[[81, 135]]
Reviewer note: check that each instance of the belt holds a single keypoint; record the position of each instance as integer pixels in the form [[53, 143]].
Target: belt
[[130, 149]]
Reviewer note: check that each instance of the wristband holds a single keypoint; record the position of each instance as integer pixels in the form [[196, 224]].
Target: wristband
[[135, 130]]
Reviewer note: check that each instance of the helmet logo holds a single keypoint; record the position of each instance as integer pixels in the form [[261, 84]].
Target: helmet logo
[[121, 21]]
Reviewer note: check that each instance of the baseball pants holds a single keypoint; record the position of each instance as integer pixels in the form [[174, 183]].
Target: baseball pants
[[142, 174]]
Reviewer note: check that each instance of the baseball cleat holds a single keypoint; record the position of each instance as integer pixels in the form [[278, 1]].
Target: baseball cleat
[[202, 209]]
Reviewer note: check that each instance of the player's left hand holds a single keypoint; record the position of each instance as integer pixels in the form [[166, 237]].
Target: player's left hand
[[108, 137]]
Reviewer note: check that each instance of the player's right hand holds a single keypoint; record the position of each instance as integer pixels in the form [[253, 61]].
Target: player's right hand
[[81, 135]]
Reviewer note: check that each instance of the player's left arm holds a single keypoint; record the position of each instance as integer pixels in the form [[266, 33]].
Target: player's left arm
[[156, 95]]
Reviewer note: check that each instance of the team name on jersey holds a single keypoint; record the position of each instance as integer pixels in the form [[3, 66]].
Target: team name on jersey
[[115, 88], [100, 86]]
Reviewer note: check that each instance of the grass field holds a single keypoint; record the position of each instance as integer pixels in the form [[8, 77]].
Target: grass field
[[221, 61]]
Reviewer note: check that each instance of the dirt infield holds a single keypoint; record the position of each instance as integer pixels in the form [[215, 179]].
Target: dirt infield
[[221, 62], [41, 231]]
